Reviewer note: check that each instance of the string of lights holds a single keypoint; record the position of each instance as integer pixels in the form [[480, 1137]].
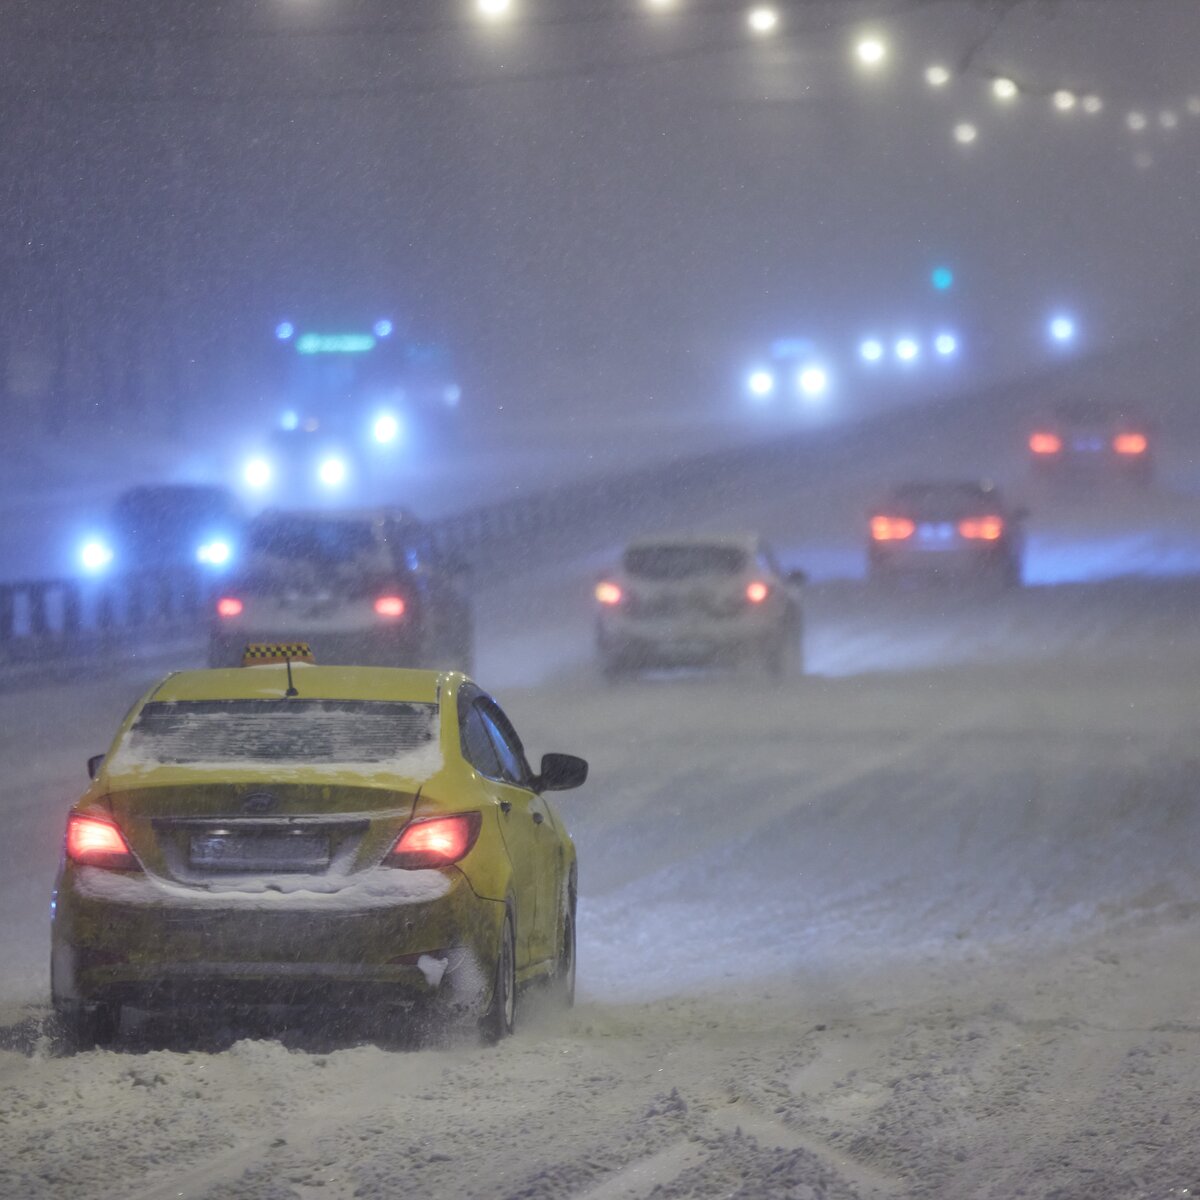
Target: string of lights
[[742, 24]]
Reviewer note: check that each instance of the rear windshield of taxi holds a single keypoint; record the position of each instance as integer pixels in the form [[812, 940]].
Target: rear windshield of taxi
[[296, 731], [683, 562]]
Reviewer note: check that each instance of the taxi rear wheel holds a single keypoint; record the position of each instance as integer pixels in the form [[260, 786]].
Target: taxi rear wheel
[[497, 1023], [562, 982]]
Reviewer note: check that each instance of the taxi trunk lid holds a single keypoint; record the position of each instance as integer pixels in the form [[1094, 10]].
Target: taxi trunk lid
[[196, 832]]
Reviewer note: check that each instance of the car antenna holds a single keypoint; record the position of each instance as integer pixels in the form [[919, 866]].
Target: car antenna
[[291, 687]]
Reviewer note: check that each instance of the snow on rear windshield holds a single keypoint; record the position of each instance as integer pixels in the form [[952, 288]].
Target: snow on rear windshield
[[682, 562], [296, 731]]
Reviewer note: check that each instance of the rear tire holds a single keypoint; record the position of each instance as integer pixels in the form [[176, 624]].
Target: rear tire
[[498, 1022], [562, 982]]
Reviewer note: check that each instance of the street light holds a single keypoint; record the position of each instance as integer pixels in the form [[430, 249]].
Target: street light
[[1136, 122], [1064, 100], [762, 20], [1168, 119], [1092, 104], [870, 350], [946, 344], [493, 9], [1062, 329], [965, 133], [870, 51], [907, 349], [937, 76], [1004, 89]]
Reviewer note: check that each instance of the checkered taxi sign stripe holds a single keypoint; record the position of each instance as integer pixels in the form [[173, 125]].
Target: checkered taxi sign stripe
[[258, 653]]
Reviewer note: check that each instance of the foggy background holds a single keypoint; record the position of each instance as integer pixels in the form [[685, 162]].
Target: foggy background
[[596, 208]]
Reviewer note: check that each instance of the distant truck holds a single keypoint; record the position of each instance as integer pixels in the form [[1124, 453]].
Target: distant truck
[[353, 403]]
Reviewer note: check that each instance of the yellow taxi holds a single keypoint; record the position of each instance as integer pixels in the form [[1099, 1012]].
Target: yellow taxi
[[319, 836]]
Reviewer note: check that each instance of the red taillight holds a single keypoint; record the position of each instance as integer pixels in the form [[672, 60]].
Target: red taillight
[[390, 606], [986, 528], [435, 841], [93, 842], [1130, 443], [891, 529], [1045, 443], [229, 606], [608, 593], [757, 591]]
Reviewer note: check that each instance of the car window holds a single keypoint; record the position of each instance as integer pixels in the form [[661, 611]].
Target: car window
[[508, 746], [477, 745], [673, 562]]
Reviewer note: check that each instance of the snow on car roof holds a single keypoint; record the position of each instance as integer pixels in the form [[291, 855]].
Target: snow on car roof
[[312, 682]]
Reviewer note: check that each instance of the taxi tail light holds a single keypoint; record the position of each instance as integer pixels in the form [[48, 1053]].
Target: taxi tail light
[[757, 591], [987, 529], [229, 606], [95, 842], [390, 606], [609, 594], [435, 841], [1045, 443], [891, 529], [1130, 443]]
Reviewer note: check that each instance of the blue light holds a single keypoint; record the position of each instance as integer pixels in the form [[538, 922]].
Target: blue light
[[760, 383], [215, 553], [284, 330], [332, 472], [290, 420], [257, 473], [383, 328], [871, 350], [1062, 329], [942, 278], [907, 349], [386, 429], [95, 556], [946, 344]]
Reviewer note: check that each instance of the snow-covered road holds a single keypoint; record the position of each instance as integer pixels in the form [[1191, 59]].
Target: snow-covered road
[[921, 923]]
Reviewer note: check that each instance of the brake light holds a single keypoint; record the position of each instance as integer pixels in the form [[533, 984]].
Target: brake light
[[1130, 443], [94, 842], [1045, 443], [757, 591], [986, 528], [229, 606], [435, 841], [891, 529], [390, 606], [608, 593]]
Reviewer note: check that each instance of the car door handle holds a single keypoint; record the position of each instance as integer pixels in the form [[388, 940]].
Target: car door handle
[[537, 818], [505, 807]]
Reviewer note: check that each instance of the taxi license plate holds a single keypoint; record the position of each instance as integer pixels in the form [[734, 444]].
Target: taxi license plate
[[283, 851]]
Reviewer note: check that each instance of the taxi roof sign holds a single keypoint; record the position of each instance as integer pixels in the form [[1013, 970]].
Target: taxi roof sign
[[259, 654]]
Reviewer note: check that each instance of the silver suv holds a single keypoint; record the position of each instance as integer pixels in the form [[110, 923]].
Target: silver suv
[[362, 588]]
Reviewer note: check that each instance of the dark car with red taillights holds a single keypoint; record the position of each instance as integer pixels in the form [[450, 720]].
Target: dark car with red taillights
[[1082, 440], [365, 588], [946, 531]]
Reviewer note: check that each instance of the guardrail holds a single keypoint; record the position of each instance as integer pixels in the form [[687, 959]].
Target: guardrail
[[57, 618]]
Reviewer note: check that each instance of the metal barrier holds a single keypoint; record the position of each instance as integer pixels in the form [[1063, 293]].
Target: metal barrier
[[58, 618]]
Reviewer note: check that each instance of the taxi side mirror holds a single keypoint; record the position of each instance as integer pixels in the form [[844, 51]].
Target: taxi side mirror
[[560, 773], [94, 765]]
